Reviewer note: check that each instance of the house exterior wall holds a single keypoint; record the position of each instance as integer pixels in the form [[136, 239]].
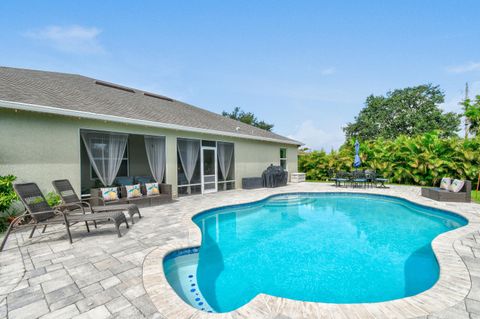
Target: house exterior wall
[[41, 148]]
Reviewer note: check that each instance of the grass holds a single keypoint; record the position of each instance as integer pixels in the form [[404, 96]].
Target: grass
[[476, 196]]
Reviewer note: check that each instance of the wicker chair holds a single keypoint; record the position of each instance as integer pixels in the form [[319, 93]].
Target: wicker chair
[[39, 213], [69, 197]]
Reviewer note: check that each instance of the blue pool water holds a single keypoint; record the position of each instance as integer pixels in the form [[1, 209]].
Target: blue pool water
[[321, 247]]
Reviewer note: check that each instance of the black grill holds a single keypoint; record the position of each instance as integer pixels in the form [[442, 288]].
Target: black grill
[[274, 176]]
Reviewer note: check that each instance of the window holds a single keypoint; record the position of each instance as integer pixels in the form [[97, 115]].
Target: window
[[283, 158], [122, 171], [188, 150], [226, 166]]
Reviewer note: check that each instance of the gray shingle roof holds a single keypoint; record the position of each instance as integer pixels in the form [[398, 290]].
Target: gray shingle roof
[[79, 93]]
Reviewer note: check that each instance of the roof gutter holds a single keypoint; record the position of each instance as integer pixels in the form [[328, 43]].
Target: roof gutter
[[119, 119]]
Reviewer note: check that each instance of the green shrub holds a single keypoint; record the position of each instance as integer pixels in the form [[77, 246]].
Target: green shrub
[[7, 198], [53, 199], [420, 160], [7, 194]]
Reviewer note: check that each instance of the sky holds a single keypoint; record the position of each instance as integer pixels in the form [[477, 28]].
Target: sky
[[305, 66]]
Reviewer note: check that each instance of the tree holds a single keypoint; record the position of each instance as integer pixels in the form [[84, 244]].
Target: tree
[[410, 111], [248, 118], [472, 115]]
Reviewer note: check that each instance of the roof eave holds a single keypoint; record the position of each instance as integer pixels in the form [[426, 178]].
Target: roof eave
[[118, 119]]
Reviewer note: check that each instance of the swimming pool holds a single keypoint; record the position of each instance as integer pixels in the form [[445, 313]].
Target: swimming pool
[[321, 247]]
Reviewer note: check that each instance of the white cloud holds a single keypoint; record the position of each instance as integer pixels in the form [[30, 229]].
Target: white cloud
[[328, 71], [315, 138], [464, 68], [76, 39]]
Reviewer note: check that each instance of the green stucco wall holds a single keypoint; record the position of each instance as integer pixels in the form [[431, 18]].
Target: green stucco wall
[[40, 147]]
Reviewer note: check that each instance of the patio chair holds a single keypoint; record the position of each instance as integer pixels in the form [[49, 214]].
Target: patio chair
[[359, 178], [331, 175], [39, 213], [371, 175], [69, 197], [342, 177]]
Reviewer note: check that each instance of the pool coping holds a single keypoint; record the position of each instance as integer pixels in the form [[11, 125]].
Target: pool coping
[[451, 288]]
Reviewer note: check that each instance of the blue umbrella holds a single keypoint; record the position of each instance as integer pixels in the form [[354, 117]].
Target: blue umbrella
[[357, 162]]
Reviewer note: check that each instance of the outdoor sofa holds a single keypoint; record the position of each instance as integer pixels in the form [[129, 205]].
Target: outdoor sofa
[[443, 195], [39, 213], [64, 188], [165, 196]]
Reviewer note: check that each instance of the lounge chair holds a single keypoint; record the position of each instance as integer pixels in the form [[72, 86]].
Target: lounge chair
[[69, 197], [39, 213]]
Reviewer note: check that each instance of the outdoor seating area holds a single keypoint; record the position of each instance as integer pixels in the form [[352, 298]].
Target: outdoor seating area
[[148, 194], [450, 191], [38, 212], [358, 179]]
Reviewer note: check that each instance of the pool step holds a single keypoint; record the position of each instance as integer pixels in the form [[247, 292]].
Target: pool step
[[289, 200]]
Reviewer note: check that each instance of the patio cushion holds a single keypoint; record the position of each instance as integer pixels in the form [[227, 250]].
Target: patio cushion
[[109, 193], [445, 183], [152, 189], [456, 185], [133, 191]]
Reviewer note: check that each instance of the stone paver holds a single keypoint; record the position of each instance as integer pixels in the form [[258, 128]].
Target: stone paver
[[102, 276]]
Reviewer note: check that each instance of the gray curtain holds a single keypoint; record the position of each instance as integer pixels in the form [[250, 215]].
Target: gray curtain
[[225, 154], [155, 148], [105, 151], [188, 151]]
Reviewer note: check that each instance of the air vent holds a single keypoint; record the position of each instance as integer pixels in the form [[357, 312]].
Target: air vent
[[114, 86], [161, 97]]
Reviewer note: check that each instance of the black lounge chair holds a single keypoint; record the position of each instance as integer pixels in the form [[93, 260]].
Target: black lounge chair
[[69, 197], [39, 213]]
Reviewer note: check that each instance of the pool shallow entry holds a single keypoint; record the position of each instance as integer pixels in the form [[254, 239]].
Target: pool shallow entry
[[319, 247], [181, 270]]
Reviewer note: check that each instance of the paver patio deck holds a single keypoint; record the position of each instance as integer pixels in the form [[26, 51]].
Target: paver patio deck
[[102, 276]]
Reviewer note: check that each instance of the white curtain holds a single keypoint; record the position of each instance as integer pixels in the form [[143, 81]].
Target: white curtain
[[225, 153], [188, 151], [105, 151], [155, 148]]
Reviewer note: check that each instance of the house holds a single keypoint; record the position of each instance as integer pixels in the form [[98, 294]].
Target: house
[[57, 125]]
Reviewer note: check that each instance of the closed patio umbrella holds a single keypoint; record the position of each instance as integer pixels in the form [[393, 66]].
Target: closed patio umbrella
[[357, 161]]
